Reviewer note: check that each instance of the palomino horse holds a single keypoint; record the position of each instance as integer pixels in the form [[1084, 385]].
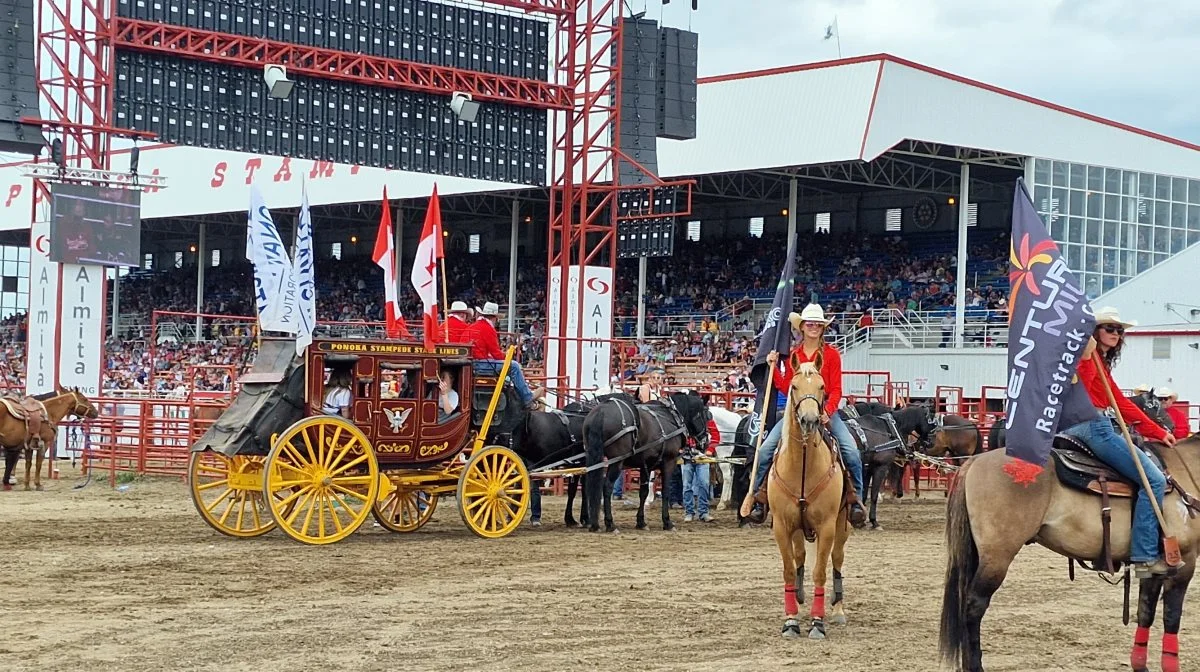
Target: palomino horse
[[18, 417], [806, 492], [990, 518]]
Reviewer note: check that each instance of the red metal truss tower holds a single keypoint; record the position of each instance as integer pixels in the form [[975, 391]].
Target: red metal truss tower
[[74, 59], [583, 194], [77, 42]]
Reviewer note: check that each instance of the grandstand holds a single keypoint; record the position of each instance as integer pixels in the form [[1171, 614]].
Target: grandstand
[[888, 170]]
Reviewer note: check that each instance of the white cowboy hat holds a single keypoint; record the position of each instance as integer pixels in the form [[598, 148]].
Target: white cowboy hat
[[490, 309], [1166, 393], [459, 307], [1109, 315], [814, 313], [1144, 387]]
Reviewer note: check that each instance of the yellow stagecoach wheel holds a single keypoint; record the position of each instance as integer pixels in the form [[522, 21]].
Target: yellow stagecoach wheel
[[493, 492], [404, 509], [227, 491], [324, 471]]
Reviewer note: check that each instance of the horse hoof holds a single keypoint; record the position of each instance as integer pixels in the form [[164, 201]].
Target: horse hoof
[[38, 488], [641, 526], [613, 530], [791, 629], [876, 527], [669, 527], [817, 631], [837, 619]]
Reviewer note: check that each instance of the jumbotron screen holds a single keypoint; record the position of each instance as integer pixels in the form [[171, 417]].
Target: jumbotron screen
[[95, 225]]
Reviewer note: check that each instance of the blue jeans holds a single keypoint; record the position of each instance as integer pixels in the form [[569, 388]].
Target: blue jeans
[[1110, 447], [535, 499], [619, 486], [695, 489], [846, 445], [491, 367]]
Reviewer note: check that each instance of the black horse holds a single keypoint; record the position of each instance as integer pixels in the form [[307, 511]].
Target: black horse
[[646, 436], [544, 438], [881, 445], [743, 447]]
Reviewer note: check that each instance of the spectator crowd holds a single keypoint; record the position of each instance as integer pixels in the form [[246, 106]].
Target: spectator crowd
[[697, 304]]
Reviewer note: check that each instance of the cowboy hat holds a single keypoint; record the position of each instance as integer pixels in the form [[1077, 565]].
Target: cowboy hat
[[459, 307], [1144, 387], [1166, 393], [814, 313], [1109, 315], [489, 308]]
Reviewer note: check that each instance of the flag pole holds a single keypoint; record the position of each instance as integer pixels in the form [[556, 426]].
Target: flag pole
[[748, 500], [445, 300], [1170, 543]]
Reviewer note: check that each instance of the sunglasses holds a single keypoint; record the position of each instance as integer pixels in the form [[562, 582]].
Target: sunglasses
[[1114, 329]]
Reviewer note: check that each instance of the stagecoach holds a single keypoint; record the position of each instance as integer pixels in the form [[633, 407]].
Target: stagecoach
[[274, 459]]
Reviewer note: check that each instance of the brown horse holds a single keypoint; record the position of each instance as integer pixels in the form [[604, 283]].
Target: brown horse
[[19, 416], [806, 494], [990, 518], [954, 436]]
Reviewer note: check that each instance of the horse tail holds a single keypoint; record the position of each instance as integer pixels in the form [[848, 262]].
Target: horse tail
[[593, 449], [962, 561]]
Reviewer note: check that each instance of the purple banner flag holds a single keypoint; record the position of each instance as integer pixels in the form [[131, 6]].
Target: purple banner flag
[[777, 336], [1050, 322]]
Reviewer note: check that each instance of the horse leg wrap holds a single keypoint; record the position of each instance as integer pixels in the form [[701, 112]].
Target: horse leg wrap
[[1137, 658], [1170, 652], [818, 605], [789, 600], [837, 587]]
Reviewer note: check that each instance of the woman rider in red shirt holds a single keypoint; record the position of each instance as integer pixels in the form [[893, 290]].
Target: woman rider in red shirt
[[1109, 446]]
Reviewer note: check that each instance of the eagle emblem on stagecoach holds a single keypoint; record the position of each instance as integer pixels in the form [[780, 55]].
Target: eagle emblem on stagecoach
[[396, 418]]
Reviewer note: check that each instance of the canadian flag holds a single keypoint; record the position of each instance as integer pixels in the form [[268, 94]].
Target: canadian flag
[[385, 257], [424, 270]]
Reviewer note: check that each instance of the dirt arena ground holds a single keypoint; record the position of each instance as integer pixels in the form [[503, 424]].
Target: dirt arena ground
[[97, 579]]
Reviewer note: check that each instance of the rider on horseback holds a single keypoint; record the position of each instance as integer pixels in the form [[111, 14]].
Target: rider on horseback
[[812, 324], [1109, 446]]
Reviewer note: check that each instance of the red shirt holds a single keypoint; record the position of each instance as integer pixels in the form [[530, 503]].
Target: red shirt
[[1090, 378], [459, 330], [714, 437], [1178, 415], [831, 372], [485, 342]]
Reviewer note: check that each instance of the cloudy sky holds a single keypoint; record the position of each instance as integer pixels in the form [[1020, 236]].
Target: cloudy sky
[[1130, 61]]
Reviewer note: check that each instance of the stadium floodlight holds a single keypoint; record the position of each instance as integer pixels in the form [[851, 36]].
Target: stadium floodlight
[[278, 84], [465, 108]]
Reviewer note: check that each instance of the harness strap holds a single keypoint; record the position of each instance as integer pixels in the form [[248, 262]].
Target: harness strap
[[1105, 522]]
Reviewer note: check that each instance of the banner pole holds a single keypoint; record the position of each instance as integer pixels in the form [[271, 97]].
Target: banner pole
[[445, 300], [748, 500]]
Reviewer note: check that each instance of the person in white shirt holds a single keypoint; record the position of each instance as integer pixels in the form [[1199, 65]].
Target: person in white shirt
[[447, 396], [337, 393]]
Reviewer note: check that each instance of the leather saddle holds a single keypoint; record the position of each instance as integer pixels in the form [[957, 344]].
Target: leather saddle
[[28, 409], [1078, 468]]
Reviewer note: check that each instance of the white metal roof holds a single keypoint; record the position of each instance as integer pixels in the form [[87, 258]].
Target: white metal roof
[[858, 108]]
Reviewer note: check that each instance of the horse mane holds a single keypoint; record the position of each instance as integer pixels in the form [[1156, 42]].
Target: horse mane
[[810, 368]]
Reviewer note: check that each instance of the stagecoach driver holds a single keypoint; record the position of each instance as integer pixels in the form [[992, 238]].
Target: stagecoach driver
[[489, 358], [811, 323]]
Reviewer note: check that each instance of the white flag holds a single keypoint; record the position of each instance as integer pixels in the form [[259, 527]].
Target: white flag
[[305, 274], [274, 284]]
